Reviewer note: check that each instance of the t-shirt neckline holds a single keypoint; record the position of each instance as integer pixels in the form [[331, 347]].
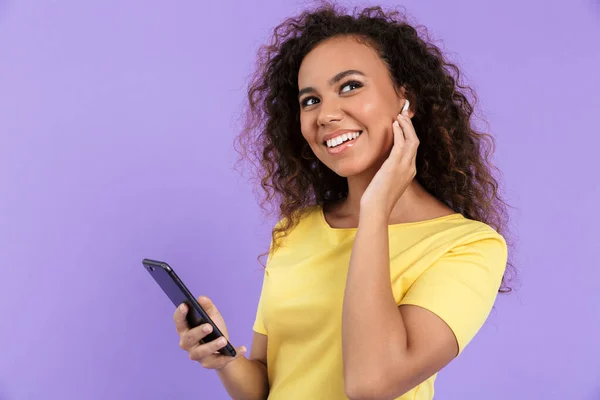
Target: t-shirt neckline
[[399, 225]]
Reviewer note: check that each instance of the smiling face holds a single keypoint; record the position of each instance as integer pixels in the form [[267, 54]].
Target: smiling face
[[346, 94]]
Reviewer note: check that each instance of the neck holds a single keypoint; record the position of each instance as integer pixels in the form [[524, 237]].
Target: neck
[[406, 205]]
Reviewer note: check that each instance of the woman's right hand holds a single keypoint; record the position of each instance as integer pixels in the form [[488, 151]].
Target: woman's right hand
[[189, 339]]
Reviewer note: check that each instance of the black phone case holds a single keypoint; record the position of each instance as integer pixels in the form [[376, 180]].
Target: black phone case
[[174, 288]]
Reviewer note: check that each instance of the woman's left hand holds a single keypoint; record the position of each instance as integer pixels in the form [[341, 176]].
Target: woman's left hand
[[397, 172]]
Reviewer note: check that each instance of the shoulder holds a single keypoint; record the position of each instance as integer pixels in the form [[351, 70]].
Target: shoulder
[[304, 228], [305, 218], [457, 230], [457, 274], [476, 247], [445, 232], [450, 239], [472, 233], [476, 241]]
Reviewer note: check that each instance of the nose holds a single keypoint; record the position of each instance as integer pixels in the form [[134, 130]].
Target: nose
[[330, 111]]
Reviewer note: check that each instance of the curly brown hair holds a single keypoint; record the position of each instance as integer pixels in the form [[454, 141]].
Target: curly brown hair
[[453, 159]]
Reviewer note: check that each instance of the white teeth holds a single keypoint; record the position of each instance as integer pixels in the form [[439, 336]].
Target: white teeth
[[342, 138]]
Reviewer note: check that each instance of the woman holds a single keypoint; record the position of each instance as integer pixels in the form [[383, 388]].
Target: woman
[[388, 256]]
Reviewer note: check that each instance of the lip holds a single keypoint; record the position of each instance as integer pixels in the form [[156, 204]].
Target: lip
[[342, 147], [338, 132]]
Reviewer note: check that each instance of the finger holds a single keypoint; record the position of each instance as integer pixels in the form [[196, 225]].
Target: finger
[[179, 317], [399, 139], [209, 307], [207, 349], [408, 129], [240, 351], [192, 337], [218, 360]]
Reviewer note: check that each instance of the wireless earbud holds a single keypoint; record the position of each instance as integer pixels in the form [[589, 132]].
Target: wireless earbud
[[406, 105]]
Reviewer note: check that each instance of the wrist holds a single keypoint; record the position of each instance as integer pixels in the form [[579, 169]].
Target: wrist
[[373, 214], [230, 365]]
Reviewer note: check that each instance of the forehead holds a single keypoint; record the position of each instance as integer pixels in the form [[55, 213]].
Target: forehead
[[335, 55]]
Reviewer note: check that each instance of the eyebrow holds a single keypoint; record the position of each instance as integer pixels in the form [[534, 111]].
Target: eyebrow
[[332, 81]]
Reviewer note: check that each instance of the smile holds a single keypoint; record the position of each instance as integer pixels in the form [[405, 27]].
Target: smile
[[341, 143], [346, 137]]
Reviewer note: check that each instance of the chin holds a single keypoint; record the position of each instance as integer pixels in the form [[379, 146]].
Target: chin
[[348, 169], [357, 164]]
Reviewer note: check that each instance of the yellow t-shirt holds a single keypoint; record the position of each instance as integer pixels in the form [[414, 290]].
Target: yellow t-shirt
[[451, 266]]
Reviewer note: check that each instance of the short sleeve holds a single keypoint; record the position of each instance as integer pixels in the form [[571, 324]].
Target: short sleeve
[[462, 286], [259, 323]]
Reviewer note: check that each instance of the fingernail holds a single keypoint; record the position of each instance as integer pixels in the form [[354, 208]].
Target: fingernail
[[222, 341], [182, 308], [206, 328], [396, 123]]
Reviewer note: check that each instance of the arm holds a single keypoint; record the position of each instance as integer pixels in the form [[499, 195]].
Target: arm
[[246, 379], [243, 378], [387, 350]]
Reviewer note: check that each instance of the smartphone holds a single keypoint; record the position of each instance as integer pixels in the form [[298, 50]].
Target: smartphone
[[174, 288]]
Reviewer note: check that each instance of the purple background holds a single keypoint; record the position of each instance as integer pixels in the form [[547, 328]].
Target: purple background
[[116, 123]]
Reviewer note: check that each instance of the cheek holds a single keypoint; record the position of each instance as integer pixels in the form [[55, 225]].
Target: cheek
[[305, 128], [307, 122], [372, 112], [376, 118]]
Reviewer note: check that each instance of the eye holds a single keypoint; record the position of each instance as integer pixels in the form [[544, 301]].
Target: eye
[[307, 101], [347, 87], [352, 84]]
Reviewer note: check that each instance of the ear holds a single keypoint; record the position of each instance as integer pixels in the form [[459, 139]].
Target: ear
[[403, 94]]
